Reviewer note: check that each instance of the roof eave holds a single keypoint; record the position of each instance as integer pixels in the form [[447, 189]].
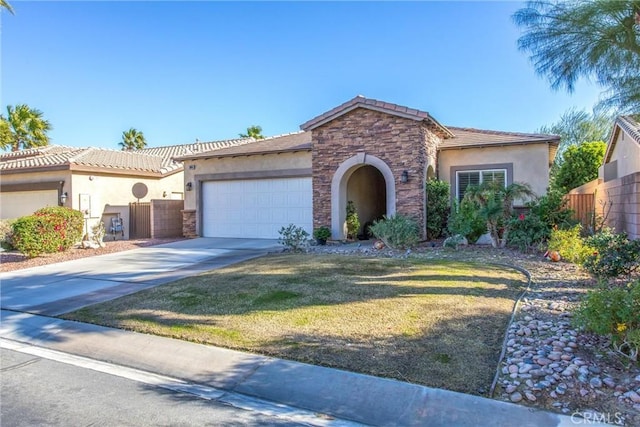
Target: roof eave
[[212, 155]]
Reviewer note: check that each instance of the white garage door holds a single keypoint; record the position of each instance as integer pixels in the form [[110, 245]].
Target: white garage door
[[255, 208], [14, 204]]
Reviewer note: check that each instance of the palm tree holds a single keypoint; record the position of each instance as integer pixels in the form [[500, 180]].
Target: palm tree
[[23, 128], [496, 206], [253, 131], [4, 4], [132, 139]]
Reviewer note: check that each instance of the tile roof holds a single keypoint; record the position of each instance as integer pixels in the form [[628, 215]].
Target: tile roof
[[372, 104], [467, 137], [155, 160], [296, 141], [631, 127], [173, 151]]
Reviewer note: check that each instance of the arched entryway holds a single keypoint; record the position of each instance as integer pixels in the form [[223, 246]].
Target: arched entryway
[[369, 182], [367, 190]]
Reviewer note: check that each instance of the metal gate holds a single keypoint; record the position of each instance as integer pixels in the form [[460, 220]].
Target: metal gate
[[139, 220]]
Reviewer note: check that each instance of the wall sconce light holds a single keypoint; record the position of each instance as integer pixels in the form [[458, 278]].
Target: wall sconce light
[[164, 194], [63, 198], [404, 177], [189, 186]]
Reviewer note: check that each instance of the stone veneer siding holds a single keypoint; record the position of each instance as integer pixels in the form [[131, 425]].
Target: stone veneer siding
[[189, 223], [403, 144]]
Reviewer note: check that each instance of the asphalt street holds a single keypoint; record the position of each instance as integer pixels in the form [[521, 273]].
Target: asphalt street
[[42, 392]]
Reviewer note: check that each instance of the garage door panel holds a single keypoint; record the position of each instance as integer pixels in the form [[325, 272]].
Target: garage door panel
[[255, 208], [15, 204]]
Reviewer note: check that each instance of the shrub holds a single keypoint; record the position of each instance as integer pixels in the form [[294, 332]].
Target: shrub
[[437, 207], [48, 230], [466, 221], [613, 312], [97, 233], [613, 255], [6, 234], [321, 234], [293, 238], [353, 222], [528, 232], [570, 245], [552, 210], [397, 232]]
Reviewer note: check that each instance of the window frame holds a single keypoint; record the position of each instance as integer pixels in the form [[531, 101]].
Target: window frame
[[479, 171], [507, 168]]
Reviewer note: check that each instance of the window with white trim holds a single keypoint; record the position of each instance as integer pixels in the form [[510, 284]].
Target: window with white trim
[[477, 177]]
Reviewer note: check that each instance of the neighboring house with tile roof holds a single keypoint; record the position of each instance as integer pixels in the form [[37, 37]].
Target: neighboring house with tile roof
[[376, 154], [615, 194], [96, 180]]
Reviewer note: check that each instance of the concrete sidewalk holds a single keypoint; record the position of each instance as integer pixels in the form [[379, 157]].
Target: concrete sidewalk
[[344, 395]]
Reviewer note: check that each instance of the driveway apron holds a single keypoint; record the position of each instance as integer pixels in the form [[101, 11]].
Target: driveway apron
[[59, 288]]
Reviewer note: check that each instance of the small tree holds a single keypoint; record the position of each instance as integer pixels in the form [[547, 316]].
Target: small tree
[[437, 207], [132, 139], [353, 222], [496, 206], [23, 128], [253, 131], [580, 165]]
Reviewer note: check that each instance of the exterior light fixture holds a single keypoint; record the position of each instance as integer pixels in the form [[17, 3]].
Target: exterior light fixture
[[189, 186], [63, 198], [404, 177], [164, 194]]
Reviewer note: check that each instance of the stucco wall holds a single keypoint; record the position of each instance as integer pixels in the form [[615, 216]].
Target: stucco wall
[[196, 169], [110, 195], [627, 154], [530, 163]]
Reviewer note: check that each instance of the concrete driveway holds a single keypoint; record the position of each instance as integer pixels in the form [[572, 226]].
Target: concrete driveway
[[59, 288]]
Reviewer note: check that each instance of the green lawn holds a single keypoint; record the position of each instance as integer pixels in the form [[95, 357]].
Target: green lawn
[[436, 323]]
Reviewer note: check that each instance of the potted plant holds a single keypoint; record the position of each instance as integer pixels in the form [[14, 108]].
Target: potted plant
[[321, 234]]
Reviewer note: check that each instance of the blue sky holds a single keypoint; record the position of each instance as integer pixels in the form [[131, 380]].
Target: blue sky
[[207, 70]]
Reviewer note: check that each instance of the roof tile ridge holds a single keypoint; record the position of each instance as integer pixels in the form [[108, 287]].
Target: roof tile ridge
[[500, 132], [283, 135]]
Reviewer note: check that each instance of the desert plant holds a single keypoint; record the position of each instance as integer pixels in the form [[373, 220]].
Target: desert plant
[[321, 234], [613, 255], [496, 206], [6, 234], [397, 231], [353, 222], [48, 230], [293, 237], [570, 245], [466, 221], [437, 207], [97, 233], [613, 312]]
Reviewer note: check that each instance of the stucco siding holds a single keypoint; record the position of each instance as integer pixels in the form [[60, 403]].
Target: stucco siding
[[110, 195], [626, 153], [530, 163]]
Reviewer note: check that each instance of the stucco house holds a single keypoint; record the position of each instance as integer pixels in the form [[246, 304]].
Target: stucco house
[[371, 152], [615, 195], [97, 181]]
